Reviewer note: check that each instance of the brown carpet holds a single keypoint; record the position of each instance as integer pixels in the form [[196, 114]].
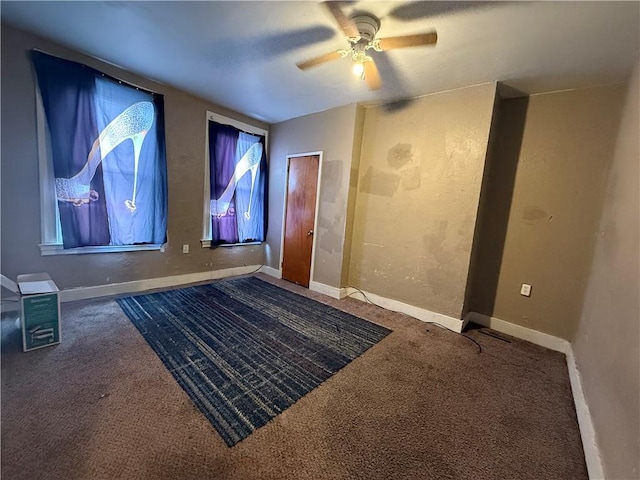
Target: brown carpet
[[421, 404]]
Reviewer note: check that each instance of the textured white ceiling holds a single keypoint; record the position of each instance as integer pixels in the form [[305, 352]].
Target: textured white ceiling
[[242, 55]]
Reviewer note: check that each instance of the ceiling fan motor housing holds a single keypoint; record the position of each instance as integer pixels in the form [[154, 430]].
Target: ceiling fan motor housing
[[368, 26]]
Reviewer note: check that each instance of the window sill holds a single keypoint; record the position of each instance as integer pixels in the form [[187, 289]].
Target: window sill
[[207, 244], [56, 249]]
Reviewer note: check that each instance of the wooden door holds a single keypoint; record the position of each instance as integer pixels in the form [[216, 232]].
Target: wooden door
[[299, 219]]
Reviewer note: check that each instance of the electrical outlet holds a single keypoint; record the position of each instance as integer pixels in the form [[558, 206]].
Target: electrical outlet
[[185, 248], [525, 290]]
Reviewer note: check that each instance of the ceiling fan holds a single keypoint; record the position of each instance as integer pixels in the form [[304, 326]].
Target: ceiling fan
[[361, 29]]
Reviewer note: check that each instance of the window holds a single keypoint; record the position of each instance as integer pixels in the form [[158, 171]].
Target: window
[[103, 167], [235, 183]]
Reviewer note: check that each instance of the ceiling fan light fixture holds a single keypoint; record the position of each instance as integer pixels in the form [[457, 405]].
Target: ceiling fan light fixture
[[358, 58], [358, 69], [361, 30]]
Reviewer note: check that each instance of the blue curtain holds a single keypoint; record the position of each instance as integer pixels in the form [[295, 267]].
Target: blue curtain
[[107, 144], [238, 176]]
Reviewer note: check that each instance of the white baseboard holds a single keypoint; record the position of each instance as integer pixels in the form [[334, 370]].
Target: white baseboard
[[420, 313], [82, 293], [587, 432], [10, 304], [518, 331], [328, 290], [390, 304], [272, 272]]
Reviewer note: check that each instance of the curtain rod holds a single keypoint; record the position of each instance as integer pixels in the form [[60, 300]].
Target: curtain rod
[[106, 75], [238, 129]]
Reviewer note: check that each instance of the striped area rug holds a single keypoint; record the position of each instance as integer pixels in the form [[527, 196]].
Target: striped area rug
[[245, 350]]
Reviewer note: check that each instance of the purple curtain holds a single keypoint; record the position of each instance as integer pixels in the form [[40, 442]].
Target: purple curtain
[[222, 149], [238, 176]]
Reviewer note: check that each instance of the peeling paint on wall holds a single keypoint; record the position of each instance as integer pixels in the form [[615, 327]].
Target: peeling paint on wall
[[329, 239], [420, 176], [410, 179], [331, 180], [532, 214], [399, 155], [377, 182]]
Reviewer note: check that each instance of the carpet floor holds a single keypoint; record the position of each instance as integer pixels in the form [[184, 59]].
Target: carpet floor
[[245, 350], [425, 403]]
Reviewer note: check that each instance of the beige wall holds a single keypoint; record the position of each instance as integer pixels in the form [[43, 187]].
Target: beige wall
[[419, 184], [185, 139], [552, 157], [352, 195], [607, 344], [334, 133]]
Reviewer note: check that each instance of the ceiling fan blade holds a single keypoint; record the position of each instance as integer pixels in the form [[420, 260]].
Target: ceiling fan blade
[[346, 25], [371, 75], [416, 40], [312, 62]]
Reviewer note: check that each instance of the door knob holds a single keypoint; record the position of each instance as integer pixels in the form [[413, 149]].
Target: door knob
[[309, 233]]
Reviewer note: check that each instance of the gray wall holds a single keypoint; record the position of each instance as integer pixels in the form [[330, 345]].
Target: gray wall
[[550, 161], [607, 343], [185, 118], [418, 190], [334, 133]]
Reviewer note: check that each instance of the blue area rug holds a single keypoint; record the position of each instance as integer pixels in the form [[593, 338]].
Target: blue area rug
[[245, 350]]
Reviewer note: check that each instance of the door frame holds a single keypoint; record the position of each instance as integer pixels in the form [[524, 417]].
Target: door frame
[[315, 215]]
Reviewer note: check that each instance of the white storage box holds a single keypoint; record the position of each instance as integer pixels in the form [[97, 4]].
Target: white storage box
[[40, 311]]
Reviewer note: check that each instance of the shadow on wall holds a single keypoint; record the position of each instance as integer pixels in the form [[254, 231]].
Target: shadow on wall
[[495, 203], [393, 81]]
